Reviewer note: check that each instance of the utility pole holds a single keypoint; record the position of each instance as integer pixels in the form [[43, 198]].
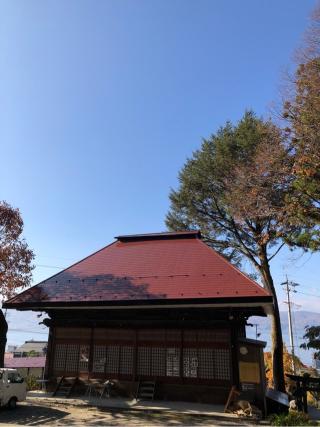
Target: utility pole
[[256, 325], [290, 287]]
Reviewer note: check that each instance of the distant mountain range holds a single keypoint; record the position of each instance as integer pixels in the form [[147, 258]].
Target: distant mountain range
[[300, 320], [24, 325]]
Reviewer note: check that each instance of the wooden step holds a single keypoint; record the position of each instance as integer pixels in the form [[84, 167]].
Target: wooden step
[[146, 390], [146, 395], [65, 387]]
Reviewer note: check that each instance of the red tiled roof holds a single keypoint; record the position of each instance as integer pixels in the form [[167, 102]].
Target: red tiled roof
[[168, 266], [24, 362]]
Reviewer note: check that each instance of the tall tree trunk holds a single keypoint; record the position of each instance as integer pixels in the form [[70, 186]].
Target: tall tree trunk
[[277, 348], [276, 333]]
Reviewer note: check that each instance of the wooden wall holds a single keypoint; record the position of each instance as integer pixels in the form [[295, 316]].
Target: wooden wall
[[192, 353]]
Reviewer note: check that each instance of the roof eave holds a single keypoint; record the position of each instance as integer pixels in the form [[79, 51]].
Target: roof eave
[[198, 302]]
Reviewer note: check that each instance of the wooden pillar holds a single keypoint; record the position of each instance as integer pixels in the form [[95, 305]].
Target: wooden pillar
[[263, 385], [90, 362], [181, 353], [135, 356], [48, 370], [235, 355]]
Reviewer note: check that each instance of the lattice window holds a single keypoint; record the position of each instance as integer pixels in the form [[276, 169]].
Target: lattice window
[[143, 361], [113, 353], [173, 362], [99, 358], [190, 362], [84, 358], [126, 360], [60, 357], [222, 369], [72, 358], [206, 368], [158, 362]]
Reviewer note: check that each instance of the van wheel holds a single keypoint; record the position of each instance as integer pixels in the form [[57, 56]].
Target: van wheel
[[12, 404]]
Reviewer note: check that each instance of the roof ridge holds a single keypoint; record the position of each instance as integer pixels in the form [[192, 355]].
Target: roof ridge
[[164, 235]]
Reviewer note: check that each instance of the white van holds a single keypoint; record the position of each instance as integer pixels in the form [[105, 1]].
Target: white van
[[13, 388]]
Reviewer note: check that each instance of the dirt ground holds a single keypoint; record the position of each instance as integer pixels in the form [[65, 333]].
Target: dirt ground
[[37, 413]]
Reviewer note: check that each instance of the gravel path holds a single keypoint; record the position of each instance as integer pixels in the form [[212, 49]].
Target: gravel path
[[37, 413]]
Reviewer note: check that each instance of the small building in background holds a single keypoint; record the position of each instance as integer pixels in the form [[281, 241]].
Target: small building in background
[[8, 355], [31, 348], [27, 365]]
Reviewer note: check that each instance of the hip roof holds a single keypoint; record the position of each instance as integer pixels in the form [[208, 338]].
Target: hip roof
[[158, 267], [24, 362]]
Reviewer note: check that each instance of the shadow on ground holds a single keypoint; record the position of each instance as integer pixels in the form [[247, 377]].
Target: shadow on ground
[[30, 414], [35, 415]]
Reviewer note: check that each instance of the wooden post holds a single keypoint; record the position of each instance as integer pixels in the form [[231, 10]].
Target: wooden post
[[181, 353], [90, 363], [135, 356], [235, 355], [48, 370], [304, 395]]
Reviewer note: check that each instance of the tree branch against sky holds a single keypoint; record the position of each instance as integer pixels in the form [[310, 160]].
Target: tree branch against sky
[[234, 189], [312, 340], [15, 256], [301, 109]]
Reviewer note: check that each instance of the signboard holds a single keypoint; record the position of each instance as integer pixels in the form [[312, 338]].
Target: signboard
[[249, 372]]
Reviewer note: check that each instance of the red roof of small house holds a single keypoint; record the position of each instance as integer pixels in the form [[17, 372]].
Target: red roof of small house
[[153, 268], [24, 362]]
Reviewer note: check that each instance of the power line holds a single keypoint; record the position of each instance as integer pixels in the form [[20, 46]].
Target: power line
[[54, 257], [49, 266], [310, 295], [24, 330]]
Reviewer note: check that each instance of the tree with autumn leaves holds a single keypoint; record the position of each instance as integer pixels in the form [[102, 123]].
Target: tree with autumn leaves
[[15, 256], [234, 188], [287, 365], [301, 110], [15, 262], [253, 187]]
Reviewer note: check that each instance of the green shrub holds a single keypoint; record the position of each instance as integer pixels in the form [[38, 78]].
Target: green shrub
[[32, 383], [291, 419]]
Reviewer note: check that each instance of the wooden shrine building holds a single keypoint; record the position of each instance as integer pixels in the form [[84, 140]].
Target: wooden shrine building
[[163, 307]]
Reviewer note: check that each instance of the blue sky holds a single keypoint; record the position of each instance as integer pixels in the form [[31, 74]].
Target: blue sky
[[101, 102]]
